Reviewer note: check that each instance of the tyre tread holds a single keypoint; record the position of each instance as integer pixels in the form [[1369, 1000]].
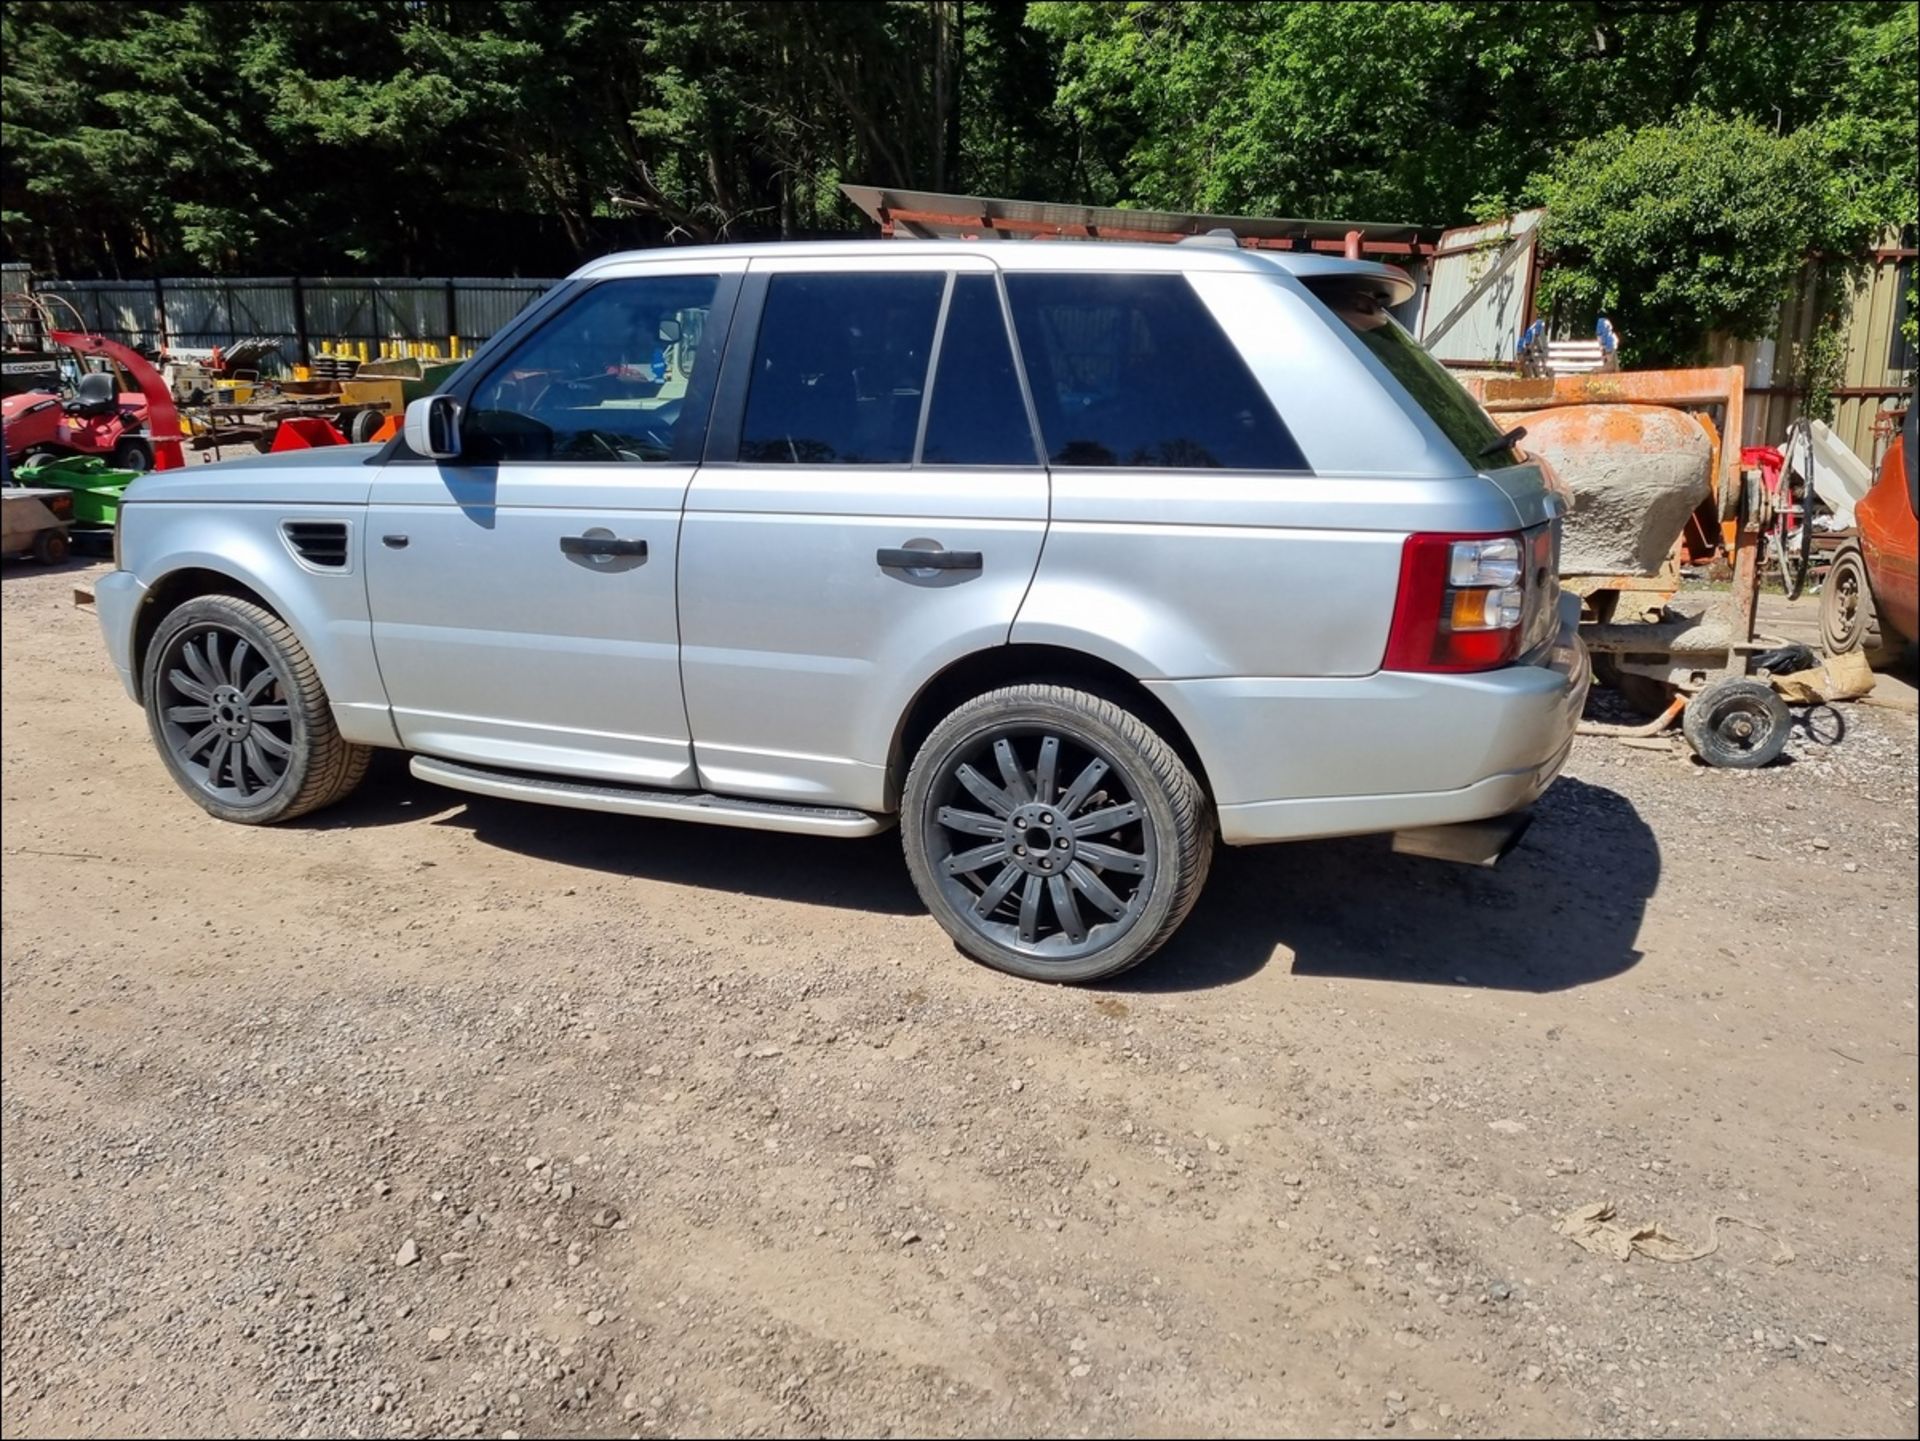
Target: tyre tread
[[335, 765], [1192, 840]]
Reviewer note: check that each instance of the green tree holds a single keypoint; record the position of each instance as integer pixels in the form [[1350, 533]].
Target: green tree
[[1678, 230], [469, 135]]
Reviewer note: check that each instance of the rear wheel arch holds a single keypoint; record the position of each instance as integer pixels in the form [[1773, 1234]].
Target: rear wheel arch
[[981, 671]]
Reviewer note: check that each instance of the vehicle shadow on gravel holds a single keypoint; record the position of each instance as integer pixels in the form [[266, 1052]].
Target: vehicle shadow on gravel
[[1563, 910], [866, 875]]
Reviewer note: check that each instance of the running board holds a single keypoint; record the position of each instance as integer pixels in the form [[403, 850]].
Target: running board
[[668, 805]]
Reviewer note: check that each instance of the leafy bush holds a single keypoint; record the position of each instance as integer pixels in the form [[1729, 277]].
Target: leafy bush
[[1674, 231]]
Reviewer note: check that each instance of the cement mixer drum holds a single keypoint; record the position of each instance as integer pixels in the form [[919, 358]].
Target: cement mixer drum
[[1636, 473]]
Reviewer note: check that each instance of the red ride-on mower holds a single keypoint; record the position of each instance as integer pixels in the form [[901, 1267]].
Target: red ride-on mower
[[130, 431]]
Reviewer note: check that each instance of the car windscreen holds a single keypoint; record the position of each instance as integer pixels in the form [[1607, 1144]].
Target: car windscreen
[[1458, 415]]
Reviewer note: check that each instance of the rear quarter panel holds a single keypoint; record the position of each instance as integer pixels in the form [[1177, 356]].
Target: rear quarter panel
[[1198, 573]]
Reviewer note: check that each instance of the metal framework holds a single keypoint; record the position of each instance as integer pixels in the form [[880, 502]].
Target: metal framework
[[925, 215]]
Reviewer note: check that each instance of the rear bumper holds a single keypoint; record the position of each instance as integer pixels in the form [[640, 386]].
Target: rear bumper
[[117, 597], [1291, 759]]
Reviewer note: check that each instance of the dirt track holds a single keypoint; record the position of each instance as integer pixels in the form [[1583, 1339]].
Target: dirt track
[[697, 1131]]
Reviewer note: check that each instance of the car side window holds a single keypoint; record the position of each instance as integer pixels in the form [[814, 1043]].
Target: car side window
[[977, 415], [840, 368], [1131, 370], [606, 380]]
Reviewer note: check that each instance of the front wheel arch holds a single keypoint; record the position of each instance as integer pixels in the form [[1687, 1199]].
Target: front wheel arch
[[174, 590]]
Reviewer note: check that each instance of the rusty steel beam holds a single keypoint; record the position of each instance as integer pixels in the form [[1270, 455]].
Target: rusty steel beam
[[1052, 230], [1839, 392]]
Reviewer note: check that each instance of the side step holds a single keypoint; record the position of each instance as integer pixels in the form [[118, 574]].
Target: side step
[[668, 805], [1471, 843]]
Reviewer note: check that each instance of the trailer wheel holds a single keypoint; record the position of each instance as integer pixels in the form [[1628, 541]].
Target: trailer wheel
[[50, 547], [1737, 723], [364, 423]]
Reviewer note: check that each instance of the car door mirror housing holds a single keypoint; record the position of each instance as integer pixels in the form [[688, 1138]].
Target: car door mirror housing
[[433, 427]]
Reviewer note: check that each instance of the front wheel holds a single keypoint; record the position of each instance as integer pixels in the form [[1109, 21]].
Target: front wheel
[[239, 716], [1053, 834]]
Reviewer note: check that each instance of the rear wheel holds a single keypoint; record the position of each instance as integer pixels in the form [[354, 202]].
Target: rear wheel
[[1848, 618], [1053, 834], [133, 454], [239, 716]]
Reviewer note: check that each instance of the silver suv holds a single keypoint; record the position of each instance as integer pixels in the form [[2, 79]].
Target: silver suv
[[1069, 558]]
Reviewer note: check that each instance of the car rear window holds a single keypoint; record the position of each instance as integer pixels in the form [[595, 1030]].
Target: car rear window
[[1131, 370], [1458, 415]]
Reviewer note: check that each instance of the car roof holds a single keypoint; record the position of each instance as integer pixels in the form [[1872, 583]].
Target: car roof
[[1196, 253]]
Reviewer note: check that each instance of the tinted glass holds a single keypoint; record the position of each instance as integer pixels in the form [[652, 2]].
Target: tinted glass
[[840, 368], [1430, 383], [1131, 370], [605, 380], [977, 415]]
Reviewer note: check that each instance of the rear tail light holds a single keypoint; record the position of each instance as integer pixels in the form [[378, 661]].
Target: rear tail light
[[1473, 602]]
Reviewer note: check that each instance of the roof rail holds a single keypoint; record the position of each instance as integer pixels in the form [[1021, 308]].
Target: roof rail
[[1218, 238]]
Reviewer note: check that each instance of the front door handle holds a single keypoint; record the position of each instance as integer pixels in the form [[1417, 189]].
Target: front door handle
[[902, 558], [601, 545]]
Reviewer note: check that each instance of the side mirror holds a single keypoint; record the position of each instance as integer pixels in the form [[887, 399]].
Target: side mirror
[[433, 427]]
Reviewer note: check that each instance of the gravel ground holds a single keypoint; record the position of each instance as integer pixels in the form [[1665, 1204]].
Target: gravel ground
[[445, 1116]]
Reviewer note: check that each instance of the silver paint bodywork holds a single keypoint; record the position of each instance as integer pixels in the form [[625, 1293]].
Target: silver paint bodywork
[[759, 651]]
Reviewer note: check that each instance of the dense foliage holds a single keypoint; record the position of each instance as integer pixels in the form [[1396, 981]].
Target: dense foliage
[[1672, 230], [484, 135]]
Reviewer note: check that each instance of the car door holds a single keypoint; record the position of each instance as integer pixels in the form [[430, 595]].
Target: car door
[[871, 413], [523, 593]]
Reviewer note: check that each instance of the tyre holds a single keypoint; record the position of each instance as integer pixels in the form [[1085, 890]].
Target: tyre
[[364, 423], [1848, 618], [237, 711], [132, 454], [1737, 723], [1053, 834], [50, 547]]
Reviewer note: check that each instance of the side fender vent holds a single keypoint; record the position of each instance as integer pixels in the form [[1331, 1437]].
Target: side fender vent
[[322, 544]]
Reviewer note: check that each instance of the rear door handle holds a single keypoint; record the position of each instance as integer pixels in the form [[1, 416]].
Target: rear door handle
[[601, 545], [904, 559]]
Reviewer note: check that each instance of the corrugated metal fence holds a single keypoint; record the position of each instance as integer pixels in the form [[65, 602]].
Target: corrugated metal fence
[[1874, 377], [307, 315]]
